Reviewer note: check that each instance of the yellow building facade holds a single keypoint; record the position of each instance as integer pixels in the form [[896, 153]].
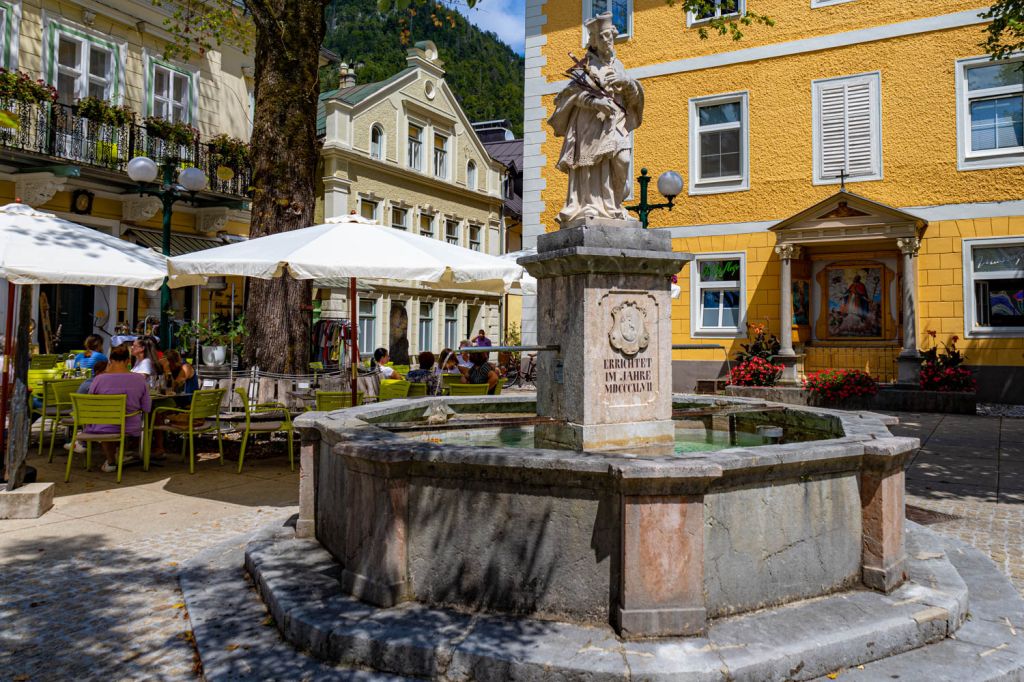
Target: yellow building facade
[[864, 156], [55, 158]]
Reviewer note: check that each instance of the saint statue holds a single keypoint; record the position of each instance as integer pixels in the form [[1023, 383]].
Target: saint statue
[[595, 115]]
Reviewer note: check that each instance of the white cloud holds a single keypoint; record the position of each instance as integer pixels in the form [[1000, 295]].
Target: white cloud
[[506, 18]]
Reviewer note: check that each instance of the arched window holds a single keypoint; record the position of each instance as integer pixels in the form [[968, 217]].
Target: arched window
[[376, 142], [471, 175]]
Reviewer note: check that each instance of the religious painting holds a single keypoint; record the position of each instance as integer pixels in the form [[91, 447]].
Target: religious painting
[[855, 295], [801, 302]]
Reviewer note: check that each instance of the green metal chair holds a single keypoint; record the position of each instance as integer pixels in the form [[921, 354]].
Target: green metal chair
[[57, 406], [401, 369], [283, 425], [468, 389], [203, 417], [448, 380], [44, 361], [328, 401], [89, 410], [41, 382], [417, 389], [393, 388]]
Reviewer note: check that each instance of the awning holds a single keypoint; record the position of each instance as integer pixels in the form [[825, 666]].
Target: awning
[[180, 243]]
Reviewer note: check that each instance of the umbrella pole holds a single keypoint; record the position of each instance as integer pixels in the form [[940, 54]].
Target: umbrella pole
[[8, 345], [354, 323], [231, 359]]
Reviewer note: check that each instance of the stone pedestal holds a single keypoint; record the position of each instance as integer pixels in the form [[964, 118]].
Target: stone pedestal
[[883, 511], [604, 297], [30, 501], [790, 369], [908, 369]]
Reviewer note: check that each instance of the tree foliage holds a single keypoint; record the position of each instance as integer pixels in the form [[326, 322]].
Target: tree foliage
[[1005, 35], [485, 75], [730, 25]]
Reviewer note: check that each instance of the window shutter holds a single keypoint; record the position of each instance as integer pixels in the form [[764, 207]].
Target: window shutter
[[848, 137]]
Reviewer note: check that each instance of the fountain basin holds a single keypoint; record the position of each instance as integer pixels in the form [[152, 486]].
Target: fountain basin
[[652, 544]]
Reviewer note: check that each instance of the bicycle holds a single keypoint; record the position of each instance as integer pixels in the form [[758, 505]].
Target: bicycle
[[519, 373]]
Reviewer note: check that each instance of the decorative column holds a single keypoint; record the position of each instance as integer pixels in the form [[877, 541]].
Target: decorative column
[[910, 358], [305, 527], [883, 544], [788, 358]]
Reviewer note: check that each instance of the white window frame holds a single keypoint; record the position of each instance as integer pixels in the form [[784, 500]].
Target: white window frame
[[458, 231], [425, 326], [741, 9], [369, 331], [10, 30], [697, 330], [737, 183], [827, 3], [971, 329], [404, 225], [478, 243], [409, 157], [376, 208], [379, 129], [981, 160], [875, 80], [115, 78], [191, 106], [588, 14], [471, 174], [451, 337], [440, 172], [433, 226]]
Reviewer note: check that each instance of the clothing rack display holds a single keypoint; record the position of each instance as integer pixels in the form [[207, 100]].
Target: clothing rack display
[[330, 341]]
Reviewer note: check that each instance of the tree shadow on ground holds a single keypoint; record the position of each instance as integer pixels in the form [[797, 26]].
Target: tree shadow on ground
[[91, 612]]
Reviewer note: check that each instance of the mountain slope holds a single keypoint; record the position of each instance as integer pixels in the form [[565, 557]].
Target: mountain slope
[[485, 74]]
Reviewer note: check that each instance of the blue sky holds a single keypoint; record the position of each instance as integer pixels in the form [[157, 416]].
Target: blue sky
[[504, 17]]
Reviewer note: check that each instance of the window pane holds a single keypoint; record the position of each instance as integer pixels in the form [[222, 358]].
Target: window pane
[[1005, 304], [997, 123], [97, 90], [99, 61], [180, 87], [619, 10], [368, 209], [994, 76], [731, 308], [720, 154], [998, 258], [427, 225], [719, 270], [67, 53], [710, 303], [65, 88], [398, 218], [160, 88], [414, 132], [719, 113]]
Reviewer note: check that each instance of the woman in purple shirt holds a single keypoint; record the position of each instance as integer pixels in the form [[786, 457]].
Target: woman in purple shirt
[[119, 380]]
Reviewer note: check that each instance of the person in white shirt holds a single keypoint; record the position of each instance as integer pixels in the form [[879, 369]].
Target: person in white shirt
[[380, 362], [147, 361]]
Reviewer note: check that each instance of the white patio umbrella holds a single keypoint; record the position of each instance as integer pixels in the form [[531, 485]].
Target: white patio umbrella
[[349, 248], [40, 248]]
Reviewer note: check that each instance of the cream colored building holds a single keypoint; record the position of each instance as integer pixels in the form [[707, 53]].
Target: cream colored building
[[55, 159], [402, 152]]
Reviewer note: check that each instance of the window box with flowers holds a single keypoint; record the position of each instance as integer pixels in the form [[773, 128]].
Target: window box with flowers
[[944, 371], [228, 156], [754, 366], [106, 128], [841, 387], [171, 132], [19, 96]]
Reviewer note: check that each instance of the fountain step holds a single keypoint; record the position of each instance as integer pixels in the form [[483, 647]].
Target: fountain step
[[800, 641]]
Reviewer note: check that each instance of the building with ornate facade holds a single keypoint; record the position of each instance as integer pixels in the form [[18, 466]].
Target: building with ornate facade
[[852, 178], [402, 152]]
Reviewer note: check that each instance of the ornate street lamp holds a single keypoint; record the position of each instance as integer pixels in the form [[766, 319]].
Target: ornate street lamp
[[144, 171], [670, 185]]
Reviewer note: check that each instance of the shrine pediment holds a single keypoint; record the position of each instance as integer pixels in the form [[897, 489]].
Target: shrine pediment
[[845, 216]]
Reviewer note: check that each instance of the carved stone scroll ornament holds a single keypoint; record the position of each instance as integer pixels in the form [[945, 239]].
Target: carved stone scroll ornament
[[37, 191], [629, 332], [138, 209], [909, 246]]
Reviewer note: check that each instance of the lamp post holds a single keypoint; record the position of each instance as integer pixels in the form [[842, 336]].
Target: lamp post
[[670, 184], [144, 171]]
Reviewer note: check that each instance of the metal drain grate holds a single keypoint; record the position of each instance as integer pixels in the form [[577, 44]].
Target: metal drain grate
[[928, 517]]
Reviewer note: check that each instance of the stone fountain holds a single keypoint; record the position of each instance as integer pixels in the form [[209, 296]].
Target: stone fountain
[[602, 552]]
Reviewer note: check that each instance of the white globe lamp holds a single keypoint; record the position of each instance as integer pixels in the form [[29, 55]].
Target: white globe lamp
[[192, 179], [670, 184], [142, 169]]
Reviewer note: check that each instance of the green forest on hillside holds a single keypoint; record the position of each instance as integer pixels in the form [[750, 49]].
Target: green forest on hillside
[[485, 74]]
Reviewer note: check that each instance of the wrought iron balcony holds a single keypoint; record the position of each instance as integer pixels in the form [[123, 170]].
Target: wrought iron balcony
[[55, 132]]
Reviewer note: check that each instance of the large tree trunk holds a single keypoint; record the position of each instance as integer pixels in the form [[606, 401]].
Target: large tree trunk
[[20, 417], [285, 151]]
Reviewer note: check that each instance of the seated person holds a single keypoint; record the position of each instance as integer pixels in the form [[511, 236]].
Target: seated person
[[481, 373], [182, 374], [380, 363], [147, 361], [449, 362], [98, 368], [465, 359], [118, 379], [93, 353], [425, 374]]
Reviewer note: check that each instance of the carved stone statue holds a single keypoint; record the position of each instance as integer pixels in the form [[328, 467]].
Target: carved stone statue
[[595, 115]]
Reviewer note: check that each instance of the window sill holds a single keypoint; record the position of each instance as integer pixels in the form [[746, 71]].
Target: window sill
[[717, 334], [692, 22], [859, 178], [987, 162], [719, 187], [995, 334]]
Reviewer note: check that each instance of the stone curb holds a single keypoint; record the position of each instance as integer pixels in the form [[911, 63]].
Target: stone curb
[[800, 641]]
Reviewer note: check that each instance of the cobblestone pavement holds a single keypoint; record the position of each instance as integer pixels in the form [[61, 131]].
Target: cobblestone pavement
[[92, 591], [967, 480]]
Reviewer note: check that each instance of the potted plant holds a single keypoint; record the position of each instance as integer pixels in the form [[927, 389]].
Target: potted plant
[[944, 371], [20, 87], [228, 155], [171, 132], [214, 335], [101, 111]]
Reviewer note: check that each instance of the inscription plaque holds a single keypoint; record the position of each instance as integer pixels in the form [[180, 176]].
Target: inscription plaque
[[628, 367]]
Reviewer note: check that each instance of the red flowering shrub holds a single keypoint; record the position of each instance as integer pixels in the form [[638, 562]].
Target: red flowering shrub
[[944, 371], [755, 371], [836, 385]]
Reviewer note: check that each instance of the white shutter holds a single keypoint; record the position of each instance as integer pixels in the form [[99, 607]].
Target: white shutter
[[847, 138]]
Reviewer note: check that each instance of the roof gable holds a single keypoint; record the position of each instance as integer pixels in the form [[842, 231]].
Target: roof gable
[[847, 216]]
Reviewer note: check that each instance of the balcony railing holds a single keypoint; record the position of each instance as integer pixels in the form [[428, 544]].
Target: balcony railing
[[57, 131]]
